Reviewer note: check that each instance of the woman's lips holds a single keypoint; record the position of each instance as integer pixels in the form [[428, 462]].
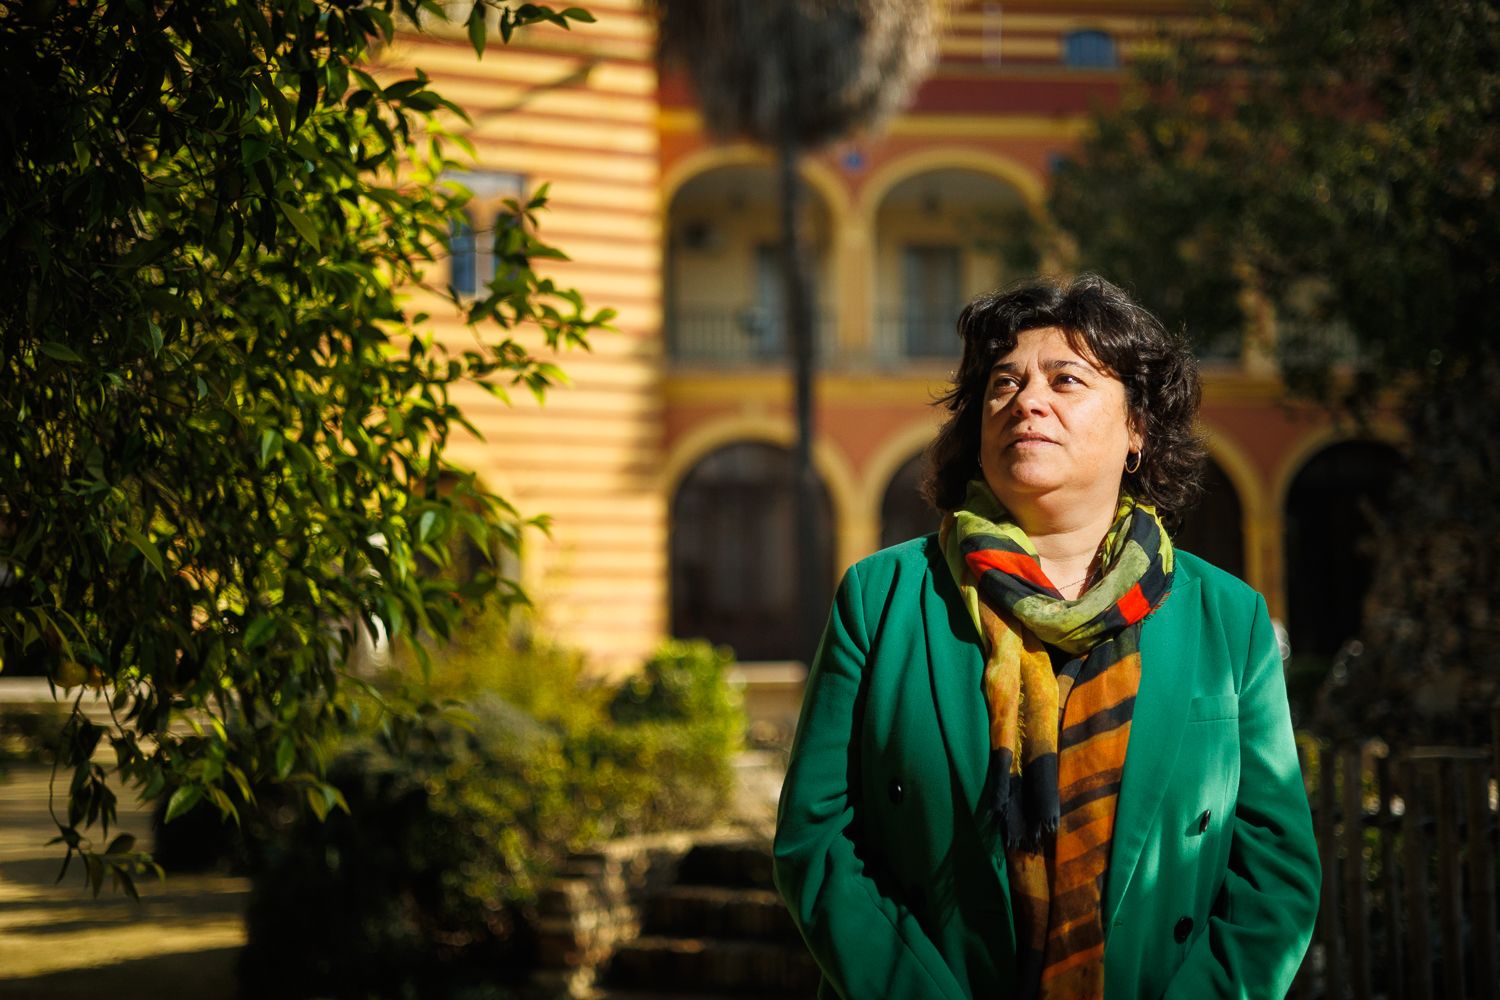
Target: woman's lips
[[1030, 440]]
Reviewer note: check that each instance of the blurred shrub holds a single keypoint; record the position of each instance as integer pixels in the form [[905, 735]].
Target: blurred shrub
[[30, 733], [418, 890], [681, 724], [424, 887], [501, 654]]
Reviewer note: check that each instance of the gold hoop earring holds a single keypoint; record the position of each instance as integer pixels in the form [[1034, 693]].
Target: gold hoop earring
[[1128, 469]]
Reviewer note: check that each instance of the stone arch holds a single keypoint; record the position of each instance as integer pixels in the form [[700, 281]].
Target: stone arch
[[932, 220], [819, 176], [1215, 527], [829, 463], [1255, 524], [904, 514], [724, 300], [1009, 171]]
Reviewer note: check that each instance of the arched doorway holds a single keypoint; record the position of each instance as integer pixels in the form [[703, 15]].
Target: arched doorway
[[904, 513], [733, 554], [1327, 532], [1215, 528]]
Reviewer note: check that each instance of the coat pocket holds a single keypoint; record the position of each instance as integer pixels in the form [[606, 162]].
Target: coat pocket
[[1214, 706]]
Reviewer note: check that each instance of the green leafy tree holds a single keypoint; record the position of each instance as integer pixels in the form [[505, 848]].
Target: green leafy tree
[[222, 425], [1336, 163]]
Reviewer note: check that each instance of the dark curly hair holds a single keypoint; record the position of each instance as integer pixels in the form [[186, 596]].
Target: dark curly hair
[[1101, 322]]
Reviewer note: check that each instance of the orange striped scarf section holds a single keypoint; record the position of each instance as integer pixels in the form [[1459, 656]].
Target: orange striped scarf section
[[1060, 682]]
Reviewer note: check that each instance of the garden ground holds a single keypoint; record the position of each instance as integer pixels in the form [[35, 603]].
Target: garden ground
[[56, 941], [182, 938]]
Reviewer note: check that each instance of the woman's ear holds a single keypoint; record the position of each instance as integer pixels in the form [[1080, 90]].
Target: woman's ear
[[1137, 434]]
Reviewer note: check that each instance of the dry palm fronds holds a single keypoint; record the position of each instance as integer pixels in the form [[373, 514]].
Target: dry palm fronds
[[805, 71]]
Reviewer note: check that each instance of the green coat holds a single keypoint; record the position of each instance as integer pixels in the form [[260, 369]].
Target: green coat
[[880, 852]]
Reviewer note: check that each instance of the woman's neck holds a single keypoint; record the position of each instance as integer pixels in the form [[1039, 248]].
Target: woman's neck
[[1067, 544]]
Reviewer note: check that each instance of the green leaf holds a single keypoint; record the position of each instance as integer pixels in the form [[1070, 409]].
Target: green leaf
[[319, 801], [425, 524], [286, 755], [182, 800], [125, 882], [259, 631], [94, 868], [121, 844], [145, 546], [60, 352], [270, 444], [279, 104], [252, 14], [301, 223], [307, 95], [478, 28]]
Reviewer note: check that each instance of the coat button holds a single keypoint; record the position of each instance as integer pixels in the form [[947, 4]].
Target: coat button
[[897, 792], [1203, 820], [1183, 929]]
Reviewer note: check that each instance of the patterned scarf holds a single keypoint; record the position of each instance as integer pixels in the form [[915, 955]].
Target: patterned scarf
[[1057, 733]]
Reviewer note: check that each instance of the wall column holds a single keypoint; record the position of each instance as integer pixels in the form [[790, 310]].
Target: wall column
[[853, 267]]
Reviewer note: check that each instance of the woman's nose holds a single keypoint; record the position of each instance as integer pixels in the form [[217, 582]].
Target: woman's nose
[[1031, 397]]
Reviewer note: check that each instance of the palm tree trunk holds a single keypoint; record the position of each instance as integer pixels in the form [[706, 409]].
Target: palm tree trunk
[[799, 327]]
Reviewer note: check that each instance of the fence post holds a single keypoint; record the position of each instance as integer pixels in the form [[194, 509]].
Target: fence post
[[1387, 823], [1356, 910], [1414, 848], [1328, 920], [1450, 885], [1480, 854], [1303, 985]]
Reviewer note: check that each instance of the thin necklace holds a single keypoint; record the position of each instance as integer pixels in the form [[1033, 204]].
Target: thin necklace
[[1086, 578]]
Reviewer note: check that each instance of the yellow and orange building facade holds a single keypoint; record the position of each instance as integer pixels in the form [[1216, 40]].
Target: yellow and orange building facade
[[667, 416]]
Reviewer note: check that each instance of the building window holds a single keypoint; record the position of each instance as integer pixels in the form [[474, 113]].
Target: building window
[[471, 261], [463, 257], [931, 300], [1089, 49]]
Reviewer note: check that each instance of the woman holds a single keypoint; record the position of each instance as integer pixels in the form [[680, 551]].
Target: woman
[[1042, 754]]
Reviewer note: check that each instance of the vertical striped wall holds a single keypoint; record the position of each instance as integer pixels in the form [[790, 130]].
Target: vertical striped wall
[[577, 109]]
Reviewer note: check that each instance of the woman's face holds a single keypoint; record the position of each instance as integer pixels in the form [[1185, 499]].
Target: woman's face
[[1054, 427]]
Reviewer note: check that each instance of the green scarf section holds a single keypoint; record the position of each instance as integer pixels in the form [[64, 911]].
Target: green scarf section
[[1072, 626]]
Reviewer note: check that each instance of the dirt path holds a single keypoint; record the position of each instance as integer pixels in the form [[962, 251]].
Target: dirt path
[[56, 941]]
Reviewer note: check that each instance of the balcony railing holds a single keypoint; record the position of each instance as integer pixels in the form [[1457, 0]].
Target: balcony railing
[[753, 336], [744, 337], [904, 333]]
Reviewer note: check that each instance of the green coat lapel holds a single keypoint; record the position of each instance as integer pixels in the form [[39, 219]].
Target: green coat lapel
[[1169, 658], [957, 667]]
